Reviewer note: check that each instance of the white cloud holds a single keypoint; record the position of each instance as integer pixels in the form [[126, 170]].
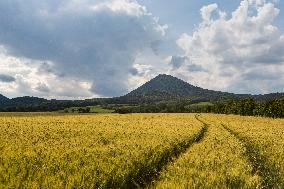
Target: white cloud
[[123, 6], [31, 79], [206, 11], [231, 47]]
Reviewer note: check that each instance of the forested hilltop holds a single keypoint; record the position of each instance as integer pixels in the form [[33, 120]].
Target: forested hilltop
[[163, 93]]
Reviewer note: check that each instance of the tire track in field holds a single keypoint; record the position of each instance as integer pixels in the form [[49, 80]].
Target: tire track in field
[[149, 172], [268, 173], [215, 162]]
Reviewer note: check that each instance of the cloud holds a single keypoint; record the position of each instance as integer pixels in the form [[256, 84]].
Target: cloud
[[85, 41], [195, 68], [34, 79], [236, 48], [6, 78], [178, 61], [98, 48], [265, 78], [42, 87], [206, 11]]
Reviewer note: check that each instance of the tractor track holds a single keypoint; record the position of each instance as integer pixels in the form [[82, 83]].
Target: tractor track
[[148, 174], [268, 172]]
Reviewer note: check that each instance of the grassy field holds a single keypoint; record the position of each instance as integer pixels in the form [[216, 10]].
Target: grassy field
[[140, 151], [92, 109], [202, 104]]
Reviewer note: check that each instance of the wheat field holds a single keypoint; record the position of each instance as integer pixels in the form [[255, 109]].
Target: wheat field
[[140, 151]]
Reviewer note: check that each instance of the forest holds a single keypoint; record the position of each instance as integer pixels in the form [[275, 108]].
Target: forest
[[245, 107]]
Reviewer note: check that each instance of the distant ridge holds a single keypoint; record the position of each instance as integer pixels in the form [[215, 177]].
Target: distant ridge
[[3, 99], [18, 101], [161, 88], [26, 100]]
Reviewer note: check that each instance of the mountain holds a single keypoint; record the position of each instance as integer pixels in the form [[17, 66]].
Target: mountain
[[165, 87], [167, 84], [3, 99]]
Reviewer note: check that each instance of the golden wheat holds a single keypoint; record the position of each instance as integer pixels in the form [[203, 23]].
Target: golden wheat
[[265, 138], [215, 162], [86, 151], [140, 150]]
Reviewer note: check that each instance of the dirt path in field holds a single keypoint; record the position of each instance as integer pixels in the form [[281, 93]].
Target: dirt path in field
[[268, 173], [145, 181]]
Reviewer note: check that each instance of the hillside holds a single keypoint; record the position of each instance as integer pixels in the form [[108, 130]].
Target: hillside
[[3, 99], [26, 100], [165, 87], [268, 96]]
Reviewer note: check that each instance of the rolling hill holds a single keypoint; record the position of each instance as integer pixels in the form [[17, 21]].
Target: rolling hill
[[165, 87], [3, 99]]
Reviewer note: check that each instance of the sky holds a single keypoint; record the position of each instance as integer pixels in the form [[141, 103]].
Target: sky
[[78, 49]]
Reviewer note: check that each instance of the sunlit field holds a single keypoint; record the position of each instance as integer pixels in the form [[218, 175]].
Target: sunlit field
[[215, 162], [264, 140], [89, 151], [140, 151]]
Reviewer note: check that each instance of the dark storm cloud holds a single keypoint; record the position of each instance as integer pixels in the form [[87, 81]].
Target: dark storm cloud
[[178, 61], [42, 87], [6, 78], [99, 45], [134, 71]]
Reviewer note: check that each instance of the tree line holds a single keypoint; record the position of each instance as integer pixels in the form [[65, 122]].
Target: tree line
[[245, 107], [250, 107]]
